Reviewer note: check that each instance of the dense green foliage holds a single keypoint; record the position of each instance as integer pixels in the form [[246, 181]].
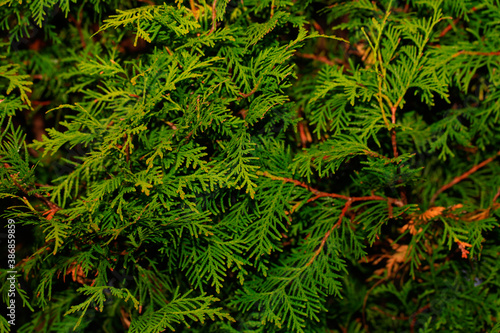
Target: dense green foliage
[[252, 166]]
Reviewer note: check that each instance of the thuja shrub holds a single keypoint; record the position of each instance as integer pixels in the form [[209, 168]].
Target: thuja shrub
[[251, 166]]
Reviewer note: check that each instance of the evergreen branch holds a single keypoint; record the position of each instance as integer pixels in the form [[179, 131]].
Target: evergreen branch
[[318, 194], [156, 166], [179, 309], [462, 177], [17, 80]]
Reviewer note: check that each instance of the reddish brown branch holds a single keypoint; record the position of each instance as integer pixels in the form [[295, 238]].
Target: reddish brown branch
[[214, 17], [78, 25], [394, 143], [393, 130], [462, 177], [496, 196], [41, 103], [450, 26], [349, 201], [53, 208], [189, 135], [318, 27], [316, 57], [320, 194], [365, 300], [496, 53], [320, 248], [414, 320], [342, 214], [127, 151], [325, 237], [393, 317], [253, 91]]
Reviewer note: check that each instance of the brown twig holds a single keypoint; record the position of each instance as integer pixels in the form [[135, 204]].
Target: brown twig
[[53, 208], [127, 144], [393, 130], [365, 300], [394, 143], [462, 177], [214, 17], [414, 316], [253, 91], [319, 194], [495, 53], [189, 135], [78, 25], [450, 26], [316, 57], [193, 9], [321, 245], [376, 308], [325, 237], [496, 196], [347, 205]]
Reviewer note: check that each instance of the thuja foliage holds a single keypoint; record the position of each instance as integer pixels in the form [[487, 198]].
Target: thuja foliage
[[252, 166]]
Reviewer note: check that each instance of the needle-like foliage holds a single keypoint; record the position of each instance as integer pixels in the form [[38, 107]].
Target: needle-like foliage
[[251, 166]]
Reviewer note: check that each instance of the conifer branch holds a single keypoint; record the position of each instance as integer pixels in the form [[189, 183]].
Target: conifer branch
[[462, 177], [169, 180]]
